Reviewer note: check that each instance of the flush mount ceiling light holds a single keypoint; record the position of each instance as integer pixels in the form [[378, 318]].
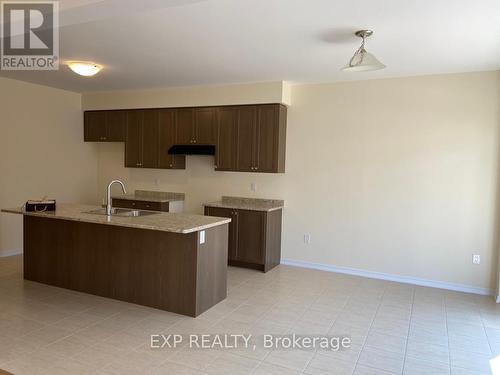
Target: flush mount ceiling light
[[363, 61], [83, 68]]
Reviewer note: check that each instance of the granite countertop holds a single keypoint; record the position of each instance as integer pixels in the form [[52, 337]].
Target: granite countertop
[[151, 196], [161, 221], [252, 204]]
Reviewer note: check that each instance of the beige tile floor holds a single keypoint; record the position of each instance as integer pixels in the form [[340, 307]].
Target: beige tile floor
[[395, 328]]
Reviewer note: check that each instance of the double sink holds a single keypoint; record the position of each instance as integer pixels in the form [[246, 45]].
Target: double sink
[[122, 212]]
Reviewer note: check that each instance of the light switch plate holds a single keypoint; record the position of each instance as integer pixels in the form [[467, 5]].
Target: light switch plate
[[202, 237]]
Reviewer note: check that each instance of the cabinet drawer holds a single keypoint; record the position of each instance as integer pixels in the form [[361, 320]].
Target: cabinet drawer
[[141, 205]]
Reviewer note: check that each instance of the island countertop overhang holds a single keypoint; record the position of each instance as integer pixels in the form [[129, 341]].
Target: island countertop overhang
[[161, 221]]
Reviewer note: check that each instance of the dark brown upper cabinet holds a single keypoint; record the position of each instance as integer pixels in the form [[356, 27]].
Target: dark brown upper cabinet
[[133, 142], [184, 119], [267, 140], [167, 131], [116, 123], [105, 126], [261, 138], [142, 143], [150, 138], [196, 126], [150, 133], [248, 138], [205, 126], [227, 130]]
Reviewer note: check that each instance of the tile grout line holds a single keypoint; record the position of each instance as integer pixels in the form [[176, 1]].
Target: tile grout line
[[370, 328], [409, 328], [331, 325]]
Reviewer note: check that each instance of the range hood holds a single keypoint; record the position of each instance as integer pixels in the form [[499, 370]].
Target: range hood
[[192, 150]]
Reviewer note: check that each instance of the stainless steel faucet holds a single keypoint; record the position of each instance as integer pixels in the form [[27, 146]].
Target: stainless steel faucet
[[109, 207]]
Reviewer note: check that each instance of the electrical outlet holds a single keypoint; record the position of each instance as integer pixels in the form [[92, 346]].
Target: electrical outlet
[[476, 258], [157, 181], [253, 186], [307, 238]]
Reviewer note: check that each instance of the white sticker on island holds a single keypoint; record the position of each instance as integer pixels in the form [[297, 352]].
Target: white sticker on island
[[202, 237]]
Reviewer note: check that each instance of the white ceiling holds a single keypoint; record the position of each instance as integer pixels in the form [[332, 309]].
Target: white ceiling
[[157, 43]]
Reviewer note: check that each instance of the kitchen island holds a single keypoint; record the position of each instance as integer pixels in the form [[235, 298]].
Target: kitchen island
[[170, 261]]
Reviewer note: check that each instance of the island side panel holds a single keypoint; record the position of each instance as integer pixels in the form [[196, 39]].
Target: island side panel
[[147, 267], [273, 239], [212, 268]]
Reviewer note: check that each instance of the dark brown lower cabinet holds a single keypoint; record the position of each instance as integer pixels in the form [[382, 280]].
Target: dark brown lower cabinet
[[254, 237], [163, 270], [140, 205]]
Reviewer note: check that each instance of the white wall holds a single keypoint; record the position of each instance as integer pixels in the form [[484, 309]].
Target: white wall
[[41, 152], [396, 176]]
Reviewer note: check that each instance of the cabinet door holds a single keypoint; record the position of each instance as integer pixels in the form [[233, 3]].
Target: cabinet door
[[95, 126], [116, 124], [205, 126], [133, 142], [233, 225], [251, 236], [227, 122], [166, 140], [266, 156], [150, 139], [184, 126], [246, 138]]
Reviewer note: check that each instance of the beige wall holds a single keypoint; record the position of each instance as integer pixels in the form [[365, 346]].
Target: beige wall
[[264, 92], [396, 176], [41, 152]]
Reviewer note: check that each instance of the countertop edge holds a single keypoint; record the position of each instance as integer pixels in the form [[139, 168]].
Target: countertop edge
[[222, 221], [235, 206]]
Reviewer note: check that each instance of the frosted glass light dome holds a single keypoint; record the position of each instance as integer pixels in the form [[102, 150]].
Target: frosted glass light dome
[[363, 61], [86, 69]]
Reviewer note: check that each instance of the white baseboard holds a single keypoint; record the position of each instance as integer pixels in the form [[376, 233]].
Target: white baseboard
[[390, 277], [9, 253]]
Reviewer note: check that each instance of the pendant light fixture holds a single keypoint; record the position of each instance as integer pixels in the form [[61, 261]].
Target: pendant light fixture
[[363, 61]]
